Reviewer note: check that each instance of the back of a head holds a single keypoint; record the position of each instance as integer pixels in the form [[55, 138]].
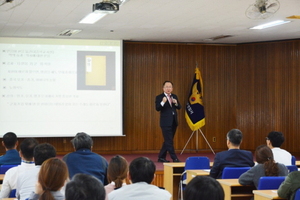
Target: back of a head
[[43, 152], [276, 138], [84, 187], [27, 148], [203, 188], [142, 169], [10, 140], [82, 141], [235, 136], [117, 170], [264, 155], [52, 176]]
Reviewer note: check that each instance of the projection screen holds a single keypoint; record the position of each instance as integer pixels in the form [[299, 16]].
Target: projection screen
[[56, 87]]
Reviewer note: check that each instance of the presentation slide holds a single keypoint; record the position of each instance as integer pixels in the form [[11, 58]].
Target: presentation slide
[[59, 87]]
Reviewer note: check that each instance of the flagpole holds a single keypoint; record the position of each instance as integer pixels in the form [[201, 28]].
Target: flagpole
[[194, 110], [197, 142]]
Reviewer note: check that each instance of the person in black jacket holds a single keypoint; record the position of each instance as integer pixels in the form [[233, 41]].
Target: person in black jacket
[[167, 103], [233, 157]]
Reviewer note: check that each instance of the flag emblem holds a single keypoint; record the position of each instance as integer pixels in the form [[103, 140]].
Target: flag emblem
[[194, 112]]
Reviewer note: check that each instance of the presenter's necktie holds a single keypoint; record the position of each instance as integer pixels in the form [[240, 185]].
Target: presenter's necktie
[[170, 100]]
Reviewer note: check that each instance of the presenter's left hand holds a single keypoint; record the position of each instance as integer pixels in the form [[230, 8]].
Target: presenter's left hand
[[174, 101]]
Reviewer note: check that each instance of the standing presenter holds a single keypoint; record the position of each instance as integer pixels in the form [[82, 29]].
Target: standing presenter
[[167, 103]]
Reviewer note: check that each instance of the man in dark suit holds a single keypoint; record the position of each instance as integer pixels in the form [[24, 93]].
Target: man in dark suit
[[167, 103], [233, 157]]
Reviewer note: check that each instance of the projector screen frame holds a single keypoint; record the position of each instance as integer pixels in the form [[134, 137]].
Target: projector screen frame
[[89, 46]]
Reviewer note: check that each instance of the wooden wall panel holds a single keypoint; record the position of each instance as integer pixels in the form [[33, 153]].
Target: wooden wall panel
[[253, 87], [176, 62], [268, 92]]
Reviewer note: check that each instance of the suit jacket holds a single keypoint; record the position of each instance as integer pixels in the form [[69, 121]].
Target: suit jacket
[[167, 111], [231, 158]]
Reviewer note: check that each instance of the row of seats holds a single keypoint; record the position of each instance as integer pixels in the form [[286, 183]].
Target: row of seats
[[4, 168], [265, 183]]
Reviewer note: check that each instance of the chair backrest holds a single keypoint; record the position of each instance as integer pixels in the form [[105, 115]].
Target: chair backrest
[[270, 182], [233, 172], [293, 160], [292, 168], [297, 195], [4, 168], [196, 162], [12, 193]]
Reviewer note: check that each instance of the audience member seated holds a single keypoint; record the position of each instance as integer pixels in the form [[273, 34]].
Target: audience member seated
[[84, 187], [290, 186], [233, 157], [10, 143], [116, 173], [266, 167], [141, 174], [83, 160], [10, 178], [52, 177], [27, 180], [203, 188], [274, 141]]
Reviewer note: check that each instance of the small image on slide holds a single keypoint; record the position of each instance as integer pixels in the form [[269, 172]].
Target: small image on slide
[[95, 70]]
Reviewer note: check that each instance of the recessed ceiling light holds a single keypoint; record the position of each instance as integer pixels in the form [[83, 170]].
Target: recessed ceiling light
[[271, 24], [92, 18]]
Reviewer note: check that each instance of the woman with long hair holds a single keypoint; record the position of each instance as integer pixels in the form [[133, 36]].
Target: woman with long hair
[[52, 177], [116, 173], [266, 167]]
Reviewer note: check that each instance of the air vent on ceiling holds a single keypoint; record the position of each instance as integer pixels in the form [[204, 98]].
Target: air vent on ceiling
[[69, 32], [218, 37]]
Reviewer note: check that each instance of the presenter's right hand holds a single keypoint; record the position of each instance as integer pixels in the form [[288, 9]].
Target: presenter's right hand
[[164, 99]]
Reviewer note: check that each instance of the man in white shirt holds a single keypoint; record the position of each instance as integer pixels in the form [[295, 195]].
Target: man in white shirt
[[10, 178], [141, 174], [274, 141], [27, 180]]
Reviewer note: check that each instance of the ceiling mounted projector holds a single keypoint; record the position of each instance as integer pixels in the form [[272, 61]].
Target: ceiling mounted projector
[[106, 7]]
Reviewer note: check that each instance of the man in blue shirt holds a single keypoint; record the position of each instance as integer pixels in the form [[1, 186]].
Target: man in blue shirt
[[83, 160], [10, 143]]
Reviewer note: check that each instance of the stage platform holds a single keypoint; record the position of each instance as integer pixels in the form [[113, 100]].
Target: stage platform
[[154, 157]]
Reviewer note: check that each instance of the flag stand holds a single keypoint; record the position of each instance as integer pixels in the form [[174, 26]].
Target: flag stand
[[197, 141]]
